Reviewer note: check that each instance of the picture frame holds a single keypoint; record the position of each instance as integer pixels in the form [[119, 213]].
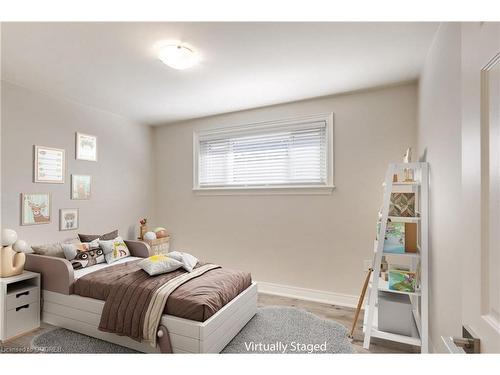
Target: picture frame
[[403, 205], [68, 219], [49, 165], [35, 208], [86, 147], [81, 187]]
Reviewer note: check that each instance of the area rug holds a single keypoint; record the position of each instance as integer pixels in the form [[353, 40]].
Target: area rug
[[273, 330], [288, 330]]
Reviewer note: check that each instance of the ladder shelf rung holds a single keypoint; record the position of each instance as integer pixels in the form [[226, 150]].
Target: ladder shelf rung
[[383, 286], [394, 336], [407, 255], [404, 219], [404, 183], [397, 338]]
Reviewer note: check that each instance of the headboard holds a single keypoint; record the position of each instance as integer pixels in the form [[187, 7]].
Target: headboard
[[57, 273]]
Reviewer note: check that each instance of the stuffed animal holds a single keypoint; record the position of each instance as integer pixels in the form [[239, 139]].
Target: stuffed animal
[[11, 262], [160, 232]]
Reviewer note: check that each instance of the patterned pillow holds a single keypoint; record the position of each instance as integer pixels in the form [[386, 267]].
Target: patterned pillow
[[83, 255], [114, 249], [158, 264]]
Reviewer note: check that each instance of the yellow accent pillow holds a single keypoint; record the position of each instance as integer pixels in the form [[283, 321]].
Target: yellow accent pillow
[[158, 264]]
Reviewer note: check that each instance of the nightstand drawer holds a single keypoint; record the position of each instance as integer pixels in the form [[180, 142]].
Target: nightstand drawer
[[22, 319], [22, 297]]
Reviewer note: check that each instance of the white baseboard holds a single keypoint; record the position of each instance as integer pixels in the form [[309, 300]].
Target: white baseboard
[[322, 296]]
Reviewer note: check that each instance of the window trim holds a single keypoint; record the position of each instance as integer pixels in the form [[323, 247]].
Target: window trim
[[255, 128]]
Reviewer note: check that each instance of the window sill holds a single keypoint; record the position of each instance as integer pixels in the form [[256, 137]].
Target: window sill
[[267, 190]]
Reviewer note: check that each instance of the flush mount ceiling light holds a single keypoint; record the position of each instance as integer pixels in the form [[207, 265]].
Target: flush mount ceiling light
[[178, 56]]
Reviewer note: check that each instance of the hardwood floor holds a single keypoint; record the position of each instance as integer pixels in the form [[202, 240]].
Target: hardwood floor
[[343, 315]]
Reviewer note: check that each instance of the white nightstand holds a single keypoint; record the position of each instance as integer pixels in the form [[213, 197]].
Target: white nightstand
[[19, 304]]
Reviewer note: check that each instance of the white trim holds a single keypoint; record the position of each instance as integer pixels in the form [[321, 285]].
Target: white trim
[[314, 295], [82, 314], [241, 129], [267, 190]]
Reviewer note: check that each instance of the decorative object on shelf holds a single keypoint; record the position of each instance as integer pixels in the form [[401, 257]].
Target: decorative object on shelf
[[49, 165], [81, 186], [11, 262], [35, 208], [149, 236], [411, 234], [408, 172], [402, 280], [402, 205], [143, 228], [394, 241], [160, 232], [86, 147], [395, 177], [68, 218], [384, 265], [159, 245]]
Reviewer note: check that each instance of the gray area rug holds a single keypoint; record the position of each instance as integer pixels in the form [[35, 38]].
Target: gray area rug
[[288, 330], [273, 330], [61, 340]]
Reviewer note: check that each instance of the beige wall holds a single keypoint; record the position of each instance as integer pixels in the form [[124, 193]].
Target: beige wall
[[439, 138], [316, 242], [121, 190]]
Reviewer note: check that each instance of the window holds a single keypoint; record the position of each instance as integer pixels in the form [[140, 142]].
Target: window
[[290, 154]]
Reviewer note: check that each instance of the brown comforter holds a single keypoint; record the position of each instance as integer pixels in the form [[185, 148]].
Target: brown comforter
[[197, 299]]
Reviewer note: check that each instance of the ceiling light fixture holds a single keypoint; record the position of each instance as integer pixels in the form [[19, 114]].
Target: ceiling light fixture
[[178, 56]]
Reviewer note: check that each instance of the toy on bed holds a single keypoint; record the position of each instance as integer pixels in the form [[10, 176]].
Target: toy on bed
[[12, 255]]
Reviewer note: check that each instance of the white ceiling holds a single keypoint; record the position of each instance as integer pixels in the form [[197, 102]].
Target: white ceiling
[[113, 66]]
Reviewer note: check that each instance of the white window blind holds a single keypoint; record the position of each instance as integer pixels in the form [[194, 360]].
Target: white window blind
[[291, 155]]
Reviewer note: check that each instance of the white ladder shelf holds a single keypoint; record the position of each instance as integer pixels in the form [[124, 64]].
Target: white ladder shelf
[[420, 298]]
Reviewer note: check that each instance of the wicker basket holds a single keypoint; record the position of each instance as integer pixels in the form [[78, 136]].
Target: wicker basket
[[159, 245]]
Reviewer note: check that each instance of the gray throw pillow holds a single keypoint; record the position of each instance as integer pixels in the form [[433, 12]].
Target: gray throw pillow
[[103, 237], [52, 249]]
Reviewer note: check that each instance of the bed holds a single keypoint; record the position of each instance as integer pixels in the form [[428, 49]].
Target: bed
[[201, 316]]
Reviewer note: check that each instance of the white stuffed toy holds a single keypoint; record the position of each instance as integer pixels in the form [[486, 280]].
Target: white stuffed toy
[[11, 262]]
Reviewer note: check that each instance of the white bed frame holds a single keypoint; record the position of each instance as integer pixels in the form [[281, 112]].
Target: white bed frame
[[82, 314]]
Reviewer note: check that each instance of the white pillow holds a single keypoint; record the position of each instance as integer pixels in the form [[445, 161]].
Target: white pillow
[[114, 249], [188, 261], [158, 264]]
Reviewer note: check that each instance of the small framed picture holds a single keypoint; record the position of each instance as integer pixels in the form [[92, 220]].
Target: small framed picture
[[35, 208], [86, 147], [81, 186], [49, 165], [68, 218]]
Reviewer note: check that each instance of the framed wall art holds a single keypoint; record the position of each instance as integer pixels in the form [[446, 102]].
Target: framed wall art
[[81, 186], [35, 208], [49, 165], [86, 147], [68, 218], [402, 204]]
